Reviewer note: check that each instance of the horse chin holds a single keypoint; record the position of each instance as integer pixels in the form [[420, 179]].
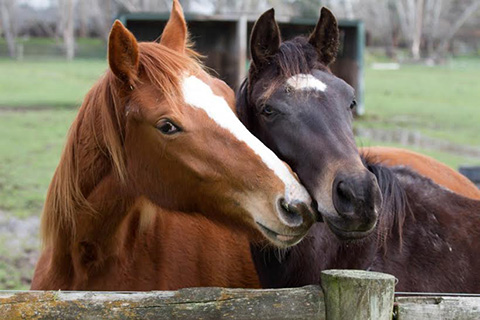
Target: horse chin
[[349, 235], [280, 240]]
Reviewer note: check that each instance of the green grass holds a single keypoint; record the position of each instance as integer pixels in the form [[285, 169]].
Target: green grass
[[47, 83], [38, 101], [29, 152], [49, 47], [440, 102]]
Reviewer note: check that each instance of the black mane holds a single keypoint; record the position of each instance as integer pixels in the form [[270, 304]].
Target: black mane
[[394, 199], [296, 56]]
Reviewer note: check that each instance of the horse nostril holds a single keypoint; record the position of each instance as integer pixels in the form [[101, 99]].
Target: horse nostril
[[344, 191], [290, 214], [356, 199], [343, 197]]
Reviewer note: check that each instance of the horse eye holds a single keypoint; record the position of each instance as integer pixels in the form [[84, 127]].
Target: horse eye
[[353, 104], [268, 110], [168, 127]]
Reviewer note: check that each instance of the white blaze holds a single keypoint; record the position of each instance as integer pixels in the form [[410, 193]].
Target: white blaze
[[199, 95], [304, 81]]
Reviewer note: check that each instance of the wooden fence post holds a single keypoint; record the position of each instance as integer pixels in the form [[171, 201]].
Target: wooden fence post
[[358, 295]]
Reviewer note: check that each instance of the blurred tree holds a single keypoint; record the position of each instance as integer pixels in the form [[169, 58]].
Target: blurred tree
[[468, 11], [307, 8], [7, 8], [66, 27], [83, 18], [427, 27]]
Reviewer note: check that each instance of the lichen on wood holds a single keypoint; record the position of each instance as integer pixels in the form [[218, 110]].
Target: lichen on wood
[[192, 303]]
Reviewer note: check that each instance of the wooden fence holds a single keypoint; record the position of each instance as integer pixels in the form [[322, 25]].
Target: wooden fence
[[346, 294]]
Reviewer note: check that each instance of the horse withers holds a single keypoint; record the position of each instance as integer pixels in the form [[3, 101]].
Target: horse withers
[[425, 235], [157, 135]]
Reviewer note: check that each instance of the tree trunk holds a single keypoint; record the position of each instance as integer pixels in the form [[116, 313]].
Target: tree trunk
[[6, 10], [83, 7], [417, 36], [102, 13], [68, 31], [348, 6], [403, 18]]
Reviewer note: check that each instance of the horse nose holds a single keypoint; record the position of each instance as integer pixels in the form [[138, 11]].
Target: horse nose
[[357, 200], [293, 214]]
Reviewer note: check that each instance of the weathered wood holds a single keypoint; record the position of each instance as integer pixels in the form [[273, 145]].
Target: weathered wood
[[358, 295], [445, 308], [349, 294], [193, 303]]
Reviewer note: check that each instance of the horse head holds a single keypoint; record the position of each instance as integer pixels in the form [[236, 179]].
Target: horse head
[[183, 146], [303, 112]]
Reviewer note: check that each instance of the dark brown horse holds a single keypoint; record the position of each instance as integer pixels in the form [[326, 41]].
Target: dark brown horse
[[154, 141], [426, 235]]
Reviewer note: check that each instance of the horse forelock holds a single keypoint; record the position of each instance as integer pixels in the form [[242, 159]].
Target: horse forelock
[[165, 68], [295, 56], [95, 142]]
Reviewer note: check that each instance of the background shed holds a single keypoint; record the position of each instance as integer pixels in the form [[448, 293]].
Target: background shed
[[223, 39]]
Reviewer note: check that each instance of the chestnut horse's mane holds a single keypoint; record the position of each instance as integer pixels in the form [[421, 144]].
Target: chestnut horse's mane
[[94, 146]]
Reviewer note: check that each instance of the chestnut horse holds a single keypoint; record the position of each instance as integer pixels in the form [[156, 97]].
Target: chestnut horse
[[154, 141], [439, 173], [426, 235]]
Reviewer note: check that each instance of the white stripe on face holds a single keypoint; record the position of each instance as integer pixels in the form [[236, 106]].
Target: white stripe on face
[[199, 95], [304, 81]]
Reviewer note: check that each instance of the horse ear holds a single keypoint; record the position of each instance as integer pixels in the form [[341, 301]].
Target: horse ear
[[175, 34], [123, 53], [325, 37], [265, 39]]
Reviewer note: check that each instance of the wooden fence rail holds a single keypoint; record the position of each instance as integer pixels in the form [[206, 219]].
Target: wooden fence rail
[[346, 294], [194, 303], [437, 307]]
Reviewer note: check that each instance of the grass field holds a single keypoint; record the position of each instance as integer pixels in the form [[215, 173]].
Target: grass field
[[47, 83], [440, 102], [48, 48], [29, 152]]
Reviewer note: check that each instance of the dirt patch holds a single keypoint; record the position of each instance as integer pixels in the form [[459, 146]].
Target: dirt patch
[[19, 250]]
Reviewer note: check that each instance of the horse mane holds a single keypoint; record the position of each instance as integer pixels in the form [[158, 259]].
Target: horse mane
[[394, 200], [94, 146]]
